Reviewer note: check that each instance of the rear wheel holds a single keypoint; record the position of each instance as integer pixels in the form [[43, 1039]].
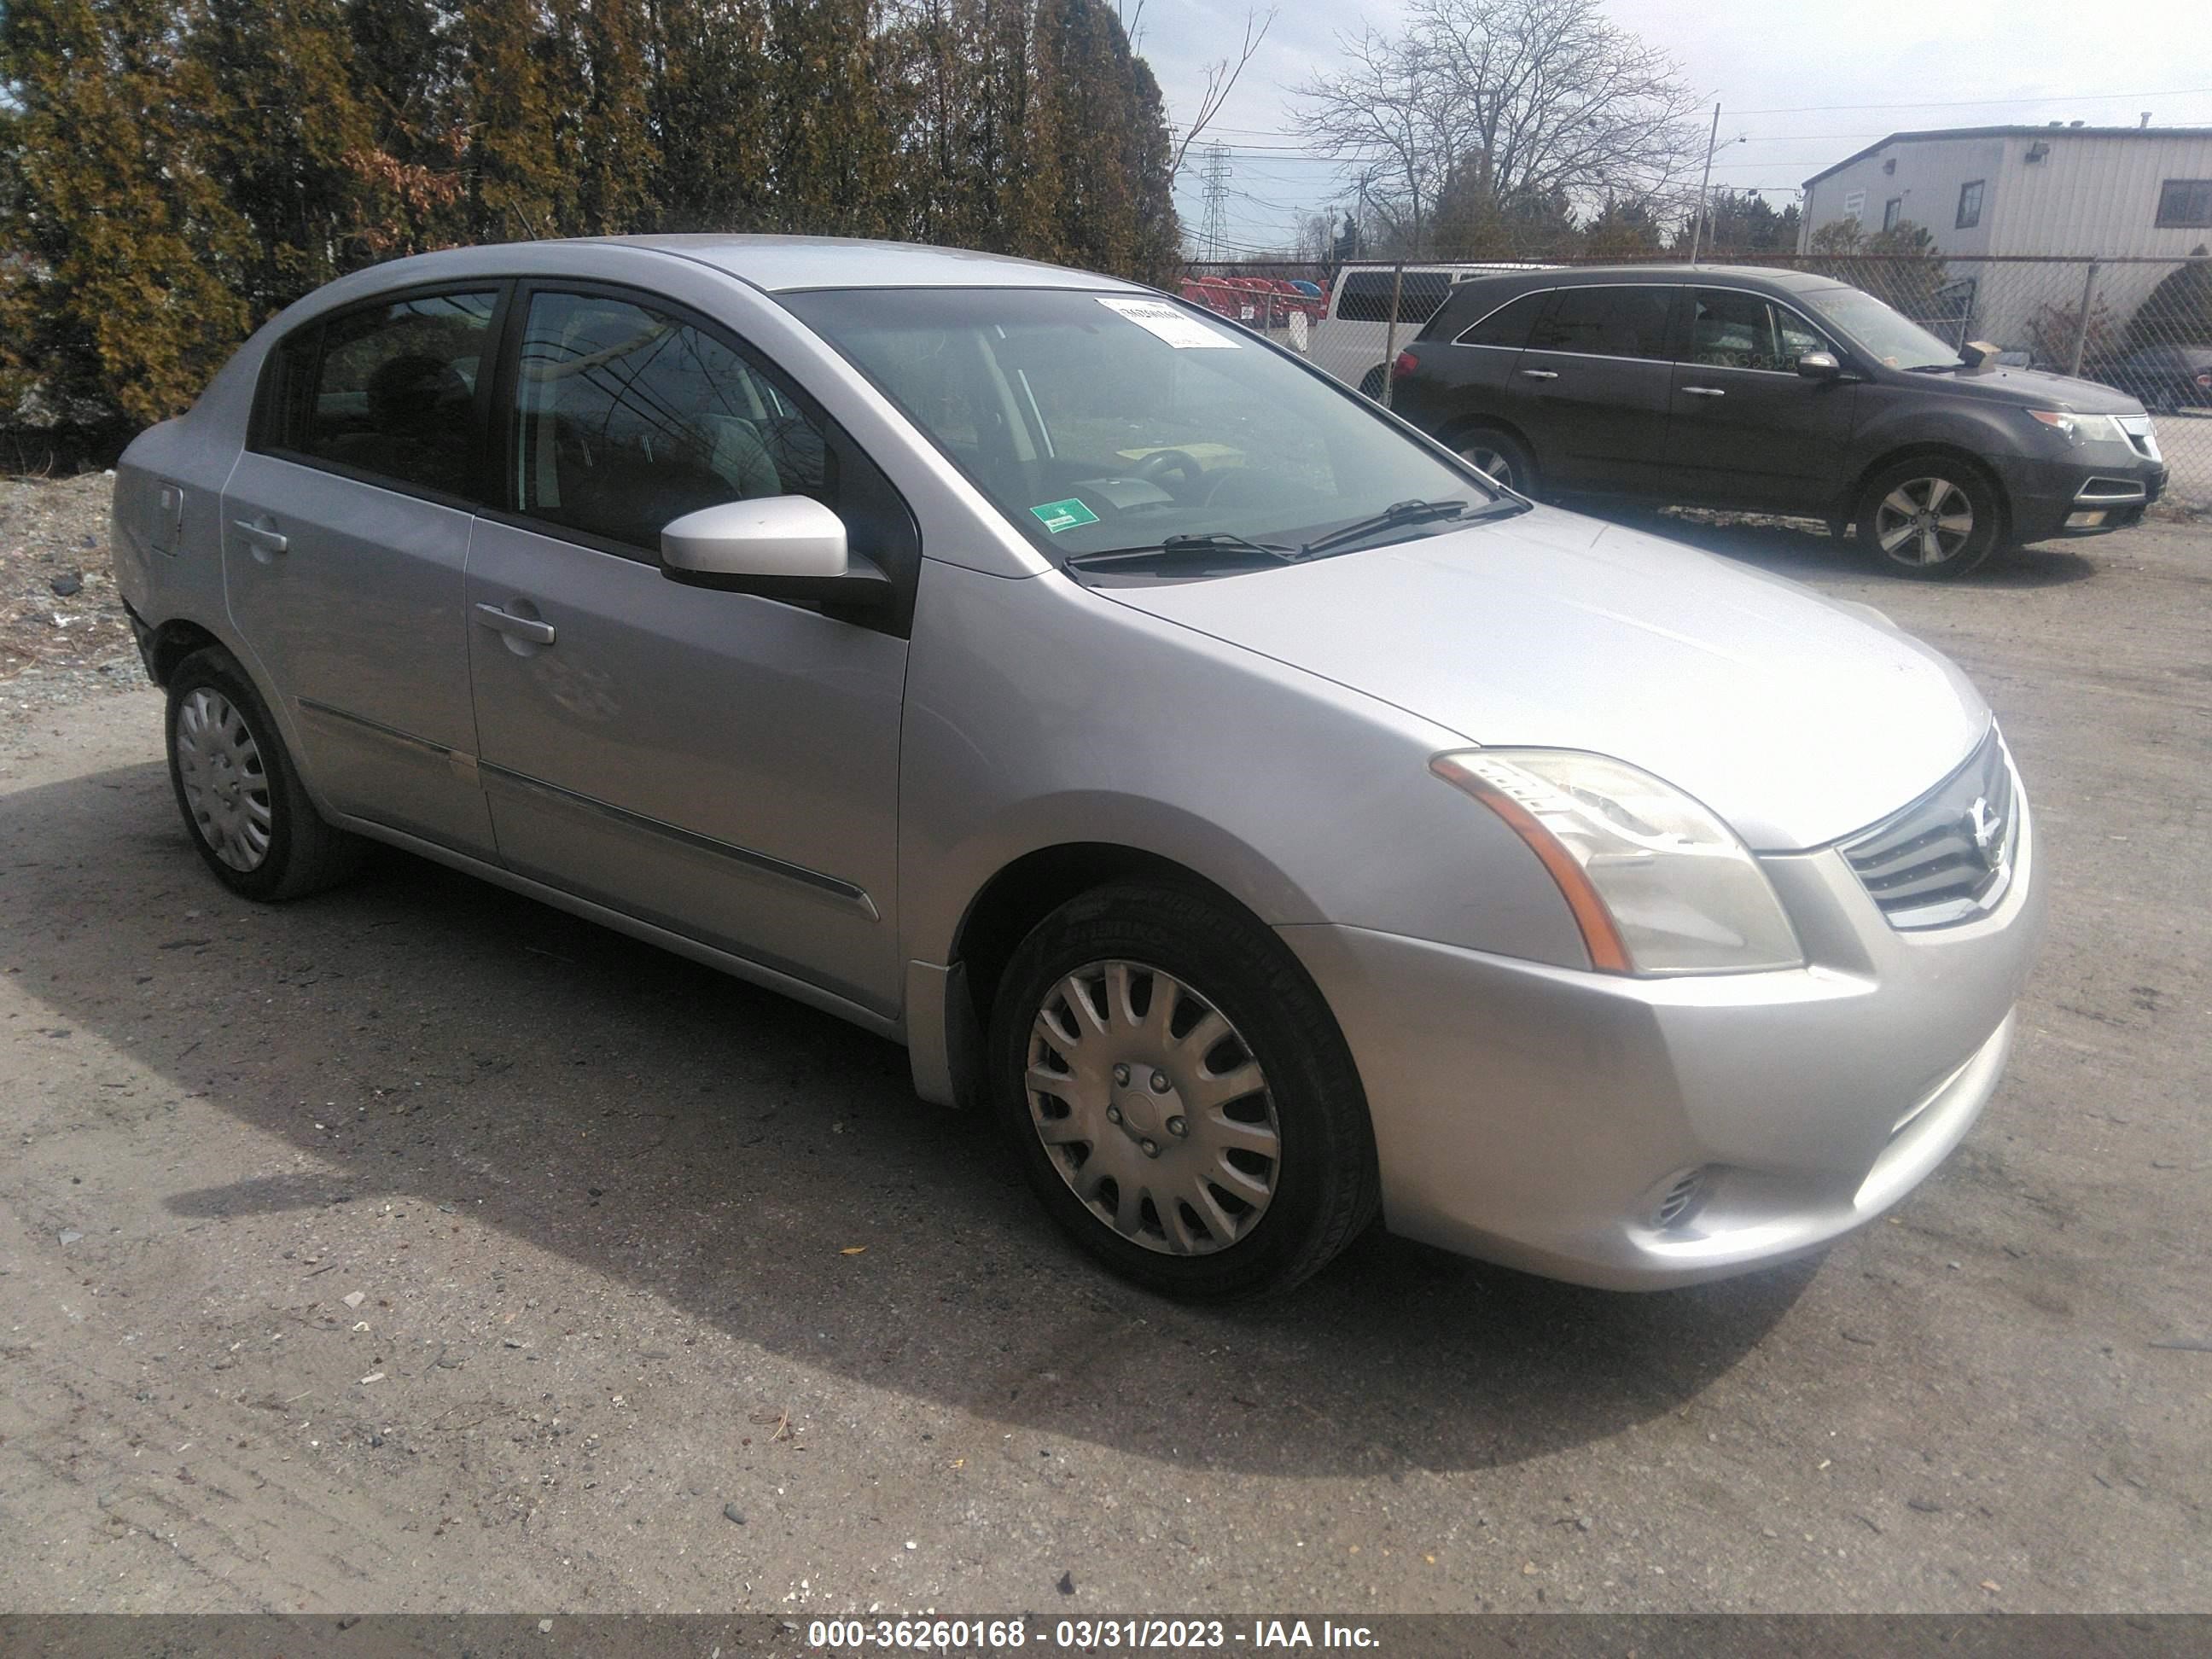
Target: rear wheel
[[1929, 519], [243, 803], [1501, 455], [1179, 1095]]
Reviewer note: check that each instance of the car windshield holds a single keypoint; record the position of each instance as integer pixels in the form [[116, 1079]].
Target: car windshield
[[1102, 422], [1886, 335]]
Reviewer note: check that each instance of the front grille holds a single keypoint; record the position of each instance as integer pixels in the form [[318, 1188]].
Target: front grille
[[1946, 857]]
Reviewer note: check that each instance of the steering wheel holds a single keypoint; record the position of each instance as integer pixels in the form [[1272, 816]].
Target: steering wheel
[[1156, 467]]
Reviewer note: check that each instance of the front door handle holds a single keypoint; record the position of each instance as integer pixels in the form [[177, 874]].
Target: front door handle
[[1541, 374], [522, 627], [268, 540], [1704, 392]]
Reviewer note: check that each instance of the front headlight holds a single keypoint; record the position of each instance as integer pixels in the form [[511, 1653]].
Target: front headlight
[[1656, 883], [2082, 428]]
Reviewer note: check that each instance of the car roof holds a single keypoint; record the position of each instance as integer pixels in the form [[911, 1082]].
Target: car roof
[[790, 264], [783, 265], [1793, 282]]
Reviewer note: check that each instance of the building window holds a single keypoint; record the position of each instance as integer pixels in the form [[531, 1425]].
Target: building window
[[2186, 205], [1890, 211], [1970, 204]]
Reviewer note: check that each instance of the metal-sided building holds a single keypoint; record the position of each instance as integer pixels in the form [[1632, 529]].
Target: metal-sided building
[[2107, 192]]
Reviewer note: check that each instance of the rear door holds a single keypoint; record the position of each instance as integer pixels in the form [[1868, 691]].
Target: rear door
[[1591, 387], [1748, 430], [345, 531]]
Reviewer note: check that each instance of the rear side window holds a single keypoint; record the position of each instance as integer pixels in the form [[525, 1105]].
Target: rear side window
[[1365, 296], [1509, 325], [1606, 322], [388, 390]]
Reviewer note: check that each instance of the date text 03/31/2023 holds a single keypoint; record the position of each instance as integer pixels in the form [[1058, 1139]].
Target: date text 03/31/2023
[[1087, 1635]]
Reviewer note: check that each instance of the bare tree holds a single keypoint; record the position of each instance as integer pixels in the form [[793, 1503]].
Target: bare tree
[[1221, 78], [1513, 101]]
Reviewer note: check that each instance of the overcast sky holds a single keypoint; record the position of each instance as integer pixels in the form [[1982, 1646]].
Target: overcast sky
[[1959, 63]]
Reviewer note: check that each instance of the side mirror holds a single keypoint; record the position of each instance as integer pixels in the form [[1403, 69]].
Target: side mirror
[[780, 547], [1819, 366]]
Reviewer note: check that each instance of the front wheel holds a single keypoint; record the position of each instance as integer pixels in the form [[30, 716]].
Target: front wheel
[[1179, 1095], [1930, 519]]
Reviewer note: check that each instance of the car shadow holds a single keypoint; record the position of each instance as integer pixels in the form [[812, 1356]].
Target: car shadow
[[422, 1034], [1802, 547]]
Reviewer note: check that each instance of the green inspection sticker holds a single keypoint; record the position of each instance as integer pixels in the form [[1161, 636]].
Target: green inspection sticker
[[1057, 516]]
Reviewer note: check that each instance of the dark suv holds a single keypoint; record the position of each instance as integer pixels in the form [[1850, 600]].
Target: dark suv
[[1777, 391]]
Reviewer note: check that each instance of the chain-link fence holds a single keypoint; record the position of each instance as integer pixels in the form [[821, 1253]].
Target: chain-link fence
[[2143, 326]]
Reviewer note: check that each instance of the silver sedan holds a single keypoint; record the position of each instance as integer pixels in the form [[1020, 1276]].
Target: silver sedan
[[1270, 820]]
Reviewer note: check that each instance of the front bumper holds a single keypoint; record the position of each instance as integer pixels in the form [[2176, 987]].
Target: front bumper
[[1547, 1118], [2097, 489]]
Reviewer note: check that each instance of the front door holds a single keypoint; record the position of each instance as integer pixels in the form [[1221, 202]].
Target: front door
[[719, 765], [1591, 388], [1747, 429], [345, 530]]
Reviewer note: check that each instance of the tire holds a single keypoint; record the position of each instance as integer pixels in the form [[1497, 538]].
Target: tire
[[1487, 449], [243, 803], [1370, 383], [1202, 1209], [1940, 518]]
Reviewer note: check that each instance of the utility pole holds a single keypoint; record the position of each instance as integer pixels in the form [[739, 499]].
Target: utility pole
[[1698, 230]]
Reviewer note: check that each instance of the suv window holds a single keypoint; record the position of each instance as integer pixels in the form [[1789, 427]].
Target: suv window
[[1365, 296], [389, 389], [626, 417], [1509, 325], [1731, 329], [1606, 322]]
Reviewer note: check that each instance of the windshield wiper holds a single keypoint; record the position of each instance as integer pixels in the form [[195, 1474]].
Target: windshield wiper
[[1409, 513], [1173, 547], [1935, 368]]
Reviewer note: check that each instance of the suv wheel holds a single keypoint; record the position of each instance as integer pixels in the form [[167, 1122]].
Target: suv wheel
[[1932, 518], [242, 800], [1503, 457], [1179, 1095]]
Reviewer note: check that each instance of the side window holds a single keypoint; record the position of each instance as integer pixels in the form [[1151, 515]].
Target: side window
[[626, 418], [1732, 330], [1795, 337], [1509, 325], [390, 389], [1606, 322]]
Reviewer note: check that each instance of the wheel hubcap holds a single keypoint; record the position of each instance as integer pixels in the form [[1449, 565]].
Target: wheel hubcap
[[226, 786], [1924, 521], [1152, 1108], [1486, 459]]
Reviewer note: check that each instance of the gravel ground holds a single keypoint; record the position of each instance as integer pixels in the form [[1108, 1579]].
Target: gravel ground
[[418, 1247], [63, 634]]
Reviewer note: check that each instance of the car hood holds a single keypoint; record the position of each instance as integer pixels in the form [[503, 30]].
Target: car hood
[[2033, 388], [1796, 720]]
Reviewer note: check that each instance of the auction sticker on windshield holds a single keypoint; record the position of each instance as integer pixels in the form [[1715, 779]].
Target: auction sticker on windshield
[[1070, 515], [1179, 329]]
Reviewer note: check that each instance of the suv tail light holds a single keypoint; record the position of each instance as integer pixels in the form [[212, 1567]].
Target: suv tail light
[[1406, 364]]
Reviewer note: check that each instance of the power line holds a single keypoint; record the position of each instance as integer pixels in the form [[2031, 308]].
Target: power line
[[1812, 109]]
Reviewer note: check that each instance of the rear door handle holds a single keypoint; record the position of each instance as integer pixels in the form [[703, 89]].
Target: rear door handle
[[523, 628], [268, 540], [1541, 374], [1704, 392]]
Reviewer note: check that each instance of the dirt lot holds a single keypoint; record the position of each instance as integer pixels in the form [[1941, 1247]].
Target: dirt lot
[[418, 1247]]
